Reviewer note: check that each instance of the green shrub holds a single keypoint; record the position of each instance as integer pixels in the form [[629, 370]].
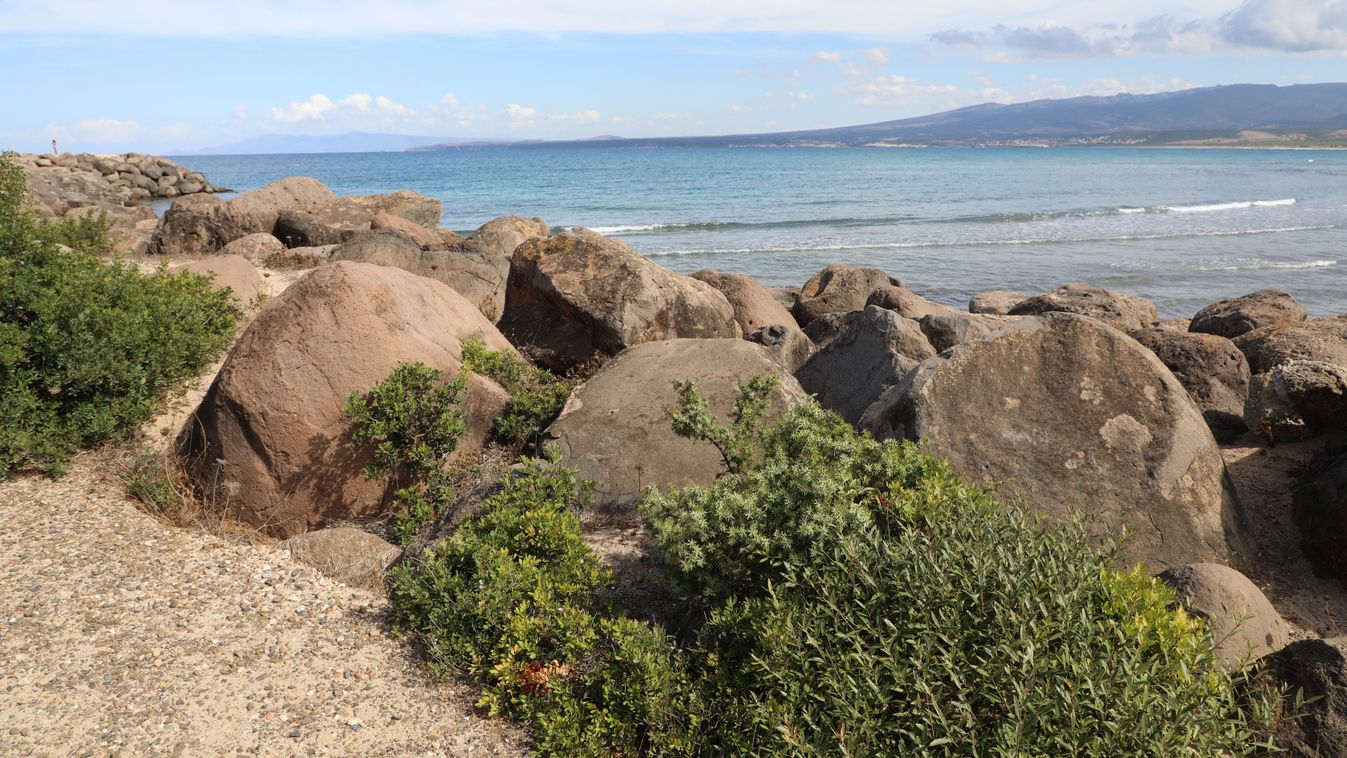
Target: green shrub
[[536, 395], [515, 599], [88, 349], [413, 421], [868, 602]]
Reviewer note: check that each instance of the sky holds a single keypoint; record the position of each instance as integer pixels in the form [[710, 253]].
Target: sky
[[177, 75]]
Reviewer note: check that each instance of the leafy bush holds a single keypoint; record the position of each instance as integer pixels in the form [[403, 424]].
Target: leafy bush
[[89, 349], [871, 603], [536, 394], [413, 420], [515, 599]]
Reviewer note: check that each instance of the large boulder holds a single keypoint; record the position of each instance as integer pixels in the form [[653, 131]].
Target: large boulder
[[1126, 312], [269, 441], [1211, 368], [573, 296], [481, 267], [337, 221], [1297, 400], [257, 248], [1319, 509], [754, 307], [908, 304], [839, 288], [872, 353], [947, 330], [995, 302], [1322, 339], [1239, 315], [787, 344], [1313, 676], [438, 238], [351, 556], [1075, 415], [616, 430], [197, 225], [1243, 623], [233, 272]]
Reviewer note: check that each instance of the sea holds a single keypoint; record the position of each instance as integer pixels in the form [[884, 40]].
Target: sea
[[1183, 227]]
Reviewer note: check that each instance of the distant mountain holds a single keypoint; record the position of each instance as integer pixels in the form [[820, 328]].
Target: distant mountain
[[1237, 114], [350, 142]]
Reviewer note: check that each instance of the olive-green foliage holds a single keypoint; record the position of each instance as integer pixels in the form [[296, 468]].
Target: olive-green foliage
[[739, 442], [515, 599], [871, 603], [88, 349], [413, 420], [536, 395]]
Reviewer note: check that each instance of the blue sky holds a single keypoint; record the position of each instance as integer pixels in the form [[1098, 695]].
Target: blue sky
[[159, 76]]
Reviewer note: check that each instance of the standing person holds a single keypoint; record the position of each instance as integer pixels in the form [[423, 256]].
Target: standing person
[[53, 146]]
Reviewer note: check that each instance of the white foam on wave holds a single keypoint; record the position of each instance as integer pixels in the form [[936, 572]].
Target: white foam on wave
[[992, 242], [627, 228], [1257, 265], [1233, 206], [1128, 211]]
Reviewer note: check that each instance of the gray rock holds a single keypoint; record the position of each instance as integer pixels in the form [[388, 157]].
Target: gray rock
[[1322, 339], [1319, 509], [1126, 312], [1297, 400], [1212, 369], [946, 331], [838, 289], [1311, 670], [1243, 623], [995, 302], [1240, 315], [573, 296], [616, 430], [788, 345], [872, 353], [351, 556], [1073, 414]]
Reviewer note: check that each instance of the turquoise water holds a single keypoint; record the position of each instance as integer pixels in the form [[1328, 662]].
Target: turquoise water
[[1183, 227]]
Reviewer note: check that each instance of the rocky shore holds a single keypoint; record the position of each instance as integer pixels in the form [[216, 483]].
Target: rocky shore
[[1219, 442]]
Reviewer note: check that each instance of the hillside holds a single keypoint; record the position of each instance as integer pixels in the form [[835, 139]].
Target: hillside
[[1238, 114]]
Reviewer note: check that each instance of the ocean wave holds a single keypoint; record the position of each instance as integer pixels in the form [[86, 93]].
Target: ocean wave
[[1253, 264], [1125, 210], [984, 242], [726, 225], [1233, 206]]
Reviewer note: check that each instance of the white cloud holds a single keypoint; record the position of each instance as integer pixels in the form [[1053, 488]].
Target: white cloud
[[895, 90], [876, 55], [520, 114], [320, 107], [827, 56], [105, 129], [1290, 25]]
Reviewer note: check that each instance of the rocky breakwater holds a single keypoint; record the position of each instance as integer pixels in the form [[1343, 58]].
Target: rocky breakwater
[[114, 186]]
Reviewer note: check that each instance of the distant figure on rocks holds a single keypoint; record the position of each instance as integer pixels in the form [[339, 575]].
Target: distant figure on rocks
[[53, 146]]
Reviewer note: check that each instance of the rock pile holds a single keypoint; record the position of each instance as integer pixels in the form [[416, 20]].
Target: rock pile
[[132, 176]]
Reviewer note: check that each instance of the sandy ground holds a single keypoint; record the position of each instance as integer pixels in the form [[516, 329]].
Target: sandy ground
[[122, 636], [1265, 476]]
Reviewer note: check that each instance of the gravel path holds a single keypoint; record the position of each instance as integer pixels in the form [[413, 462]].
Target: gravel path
[[122, 636]]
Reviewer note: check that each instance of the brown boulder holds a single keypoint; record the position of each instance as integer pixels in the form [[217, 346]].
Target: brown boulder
[[872, 353], [1211, 368], [1322, 339], [1126, 312], [1240, 315], [270, 441], [615, 428], [337, 221], [754, 307], [1074, 414], [1312, 675], [197, 225], [232, 272], [995, 302], [572, 296], [438, 238], [908, 304], [1319, 509], [351, 556], [1242, 622], [787, 344], [255, 247], [1297, 400], [947, 330], [839, 288], [787, 297]]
